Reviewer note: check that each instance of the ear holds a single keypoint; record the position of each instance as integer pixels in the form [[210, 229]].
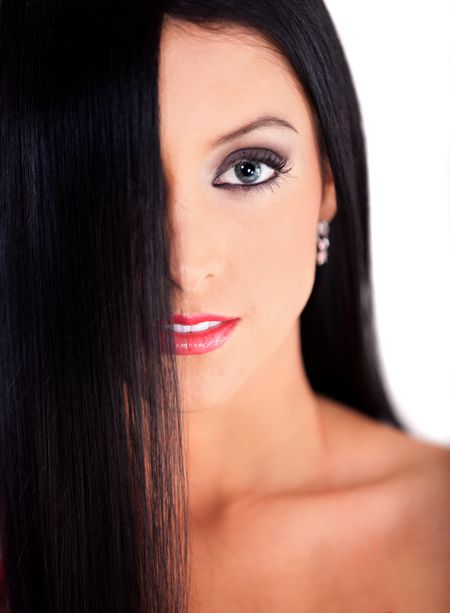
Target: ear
[[328, 207]]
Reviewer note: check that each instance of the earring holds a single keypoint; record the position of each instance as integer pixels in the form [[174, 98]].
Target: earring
[[323, 242]]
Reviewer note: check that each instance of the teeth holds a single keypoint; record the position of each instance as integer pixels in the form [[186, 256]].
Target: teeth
[[201, 327]]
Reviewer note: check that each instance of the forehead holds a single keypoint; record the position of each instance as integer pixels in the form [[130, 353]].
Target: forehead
[[212, 81]]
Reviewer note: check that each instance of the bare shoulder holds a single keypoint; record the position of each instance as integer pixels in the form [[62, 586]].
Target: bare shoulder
[[381, 449], [414, 481], [423, 529]]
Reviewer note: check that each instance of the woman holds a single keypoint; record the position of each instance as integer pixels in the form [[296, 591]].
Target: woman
[[256, 466]]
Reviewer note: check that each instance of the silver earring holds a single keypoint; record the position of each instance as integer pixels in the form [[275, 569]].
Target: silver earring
[[323, 242]]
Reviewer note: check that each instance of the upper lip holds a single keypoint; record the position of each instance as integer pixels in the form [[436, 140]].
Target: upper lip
[[196, 318]]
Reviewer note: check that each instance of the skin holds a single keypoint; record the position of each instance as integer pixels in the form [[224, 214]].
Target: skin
[[297, 503]]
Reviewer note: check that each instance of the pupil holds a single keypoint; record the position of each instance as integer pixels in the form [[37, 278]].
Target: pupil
[[248, 170]]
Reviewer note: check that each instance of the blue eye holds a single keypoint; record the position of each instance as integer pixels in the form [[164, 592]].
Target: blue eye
[[253, 168]]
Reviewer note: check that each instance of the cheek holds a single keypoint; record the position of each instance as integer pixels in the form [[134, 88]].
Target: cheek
[[290, 265], [278, 264]]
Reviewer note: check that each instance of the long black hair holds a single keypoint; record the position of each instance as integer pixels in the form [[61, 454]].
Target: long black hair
[[93, 491]]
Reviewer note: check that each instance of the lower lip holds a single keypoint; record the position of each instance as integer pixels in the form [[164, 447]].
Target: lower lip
[[203, 342]]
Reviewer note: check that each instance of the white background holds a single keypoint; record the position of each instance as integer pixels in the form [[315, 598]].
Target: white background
[[399, 54]]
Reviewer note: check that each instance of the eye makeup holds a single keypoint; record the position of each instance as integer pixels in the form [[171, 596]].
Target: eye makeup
[[252, 156]]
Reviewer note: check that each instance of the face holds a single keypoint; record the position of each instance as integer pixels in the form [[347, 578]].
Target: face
[[244, 210]]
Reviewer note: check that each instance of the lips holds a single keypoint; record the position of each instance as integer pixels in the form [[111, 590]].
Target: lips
[[191, 343], [196, 318]]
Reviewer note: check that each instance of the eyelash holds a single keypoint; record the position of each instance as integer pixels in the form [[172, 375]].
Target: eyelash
[[266, 156]]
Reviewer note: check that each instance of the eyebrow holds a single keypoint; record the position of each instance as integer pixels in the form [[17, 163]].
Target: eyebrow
[[260, 122]]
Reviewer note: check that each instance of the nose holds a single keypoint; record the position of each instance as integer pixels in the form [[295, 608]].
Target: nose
[[196, 247]]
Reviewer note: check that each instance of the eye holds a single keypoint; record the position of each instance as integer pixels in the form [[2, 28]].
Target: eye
[[251, 168]]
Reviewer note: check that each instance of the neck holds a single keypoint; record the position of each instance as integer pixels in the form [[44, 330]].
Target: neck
[[267, 439]]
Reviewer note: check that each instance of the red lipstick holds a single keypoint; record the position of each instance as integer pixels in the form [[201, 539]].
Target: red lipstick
[[191, 320], [202, 341]]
